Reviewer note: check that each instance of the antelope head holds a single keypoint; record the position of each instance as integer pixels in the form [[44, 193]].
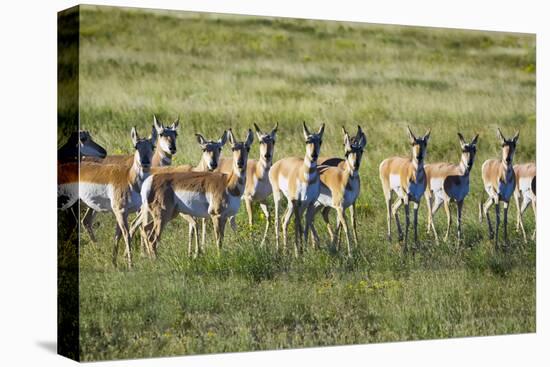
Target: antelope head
[[468, 152], [88, 147], [240, 150], [419, 146], [267, 143], [211, 150], [313, 142], [508, 147], [167, 135], [353, 148], [144, 149]]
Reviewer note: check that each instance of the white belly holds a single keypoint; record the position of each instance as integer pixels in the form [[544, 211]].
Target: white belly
[[325, 197], [192, 203], [283, 185], [96, 196], [395, 183], [67, 195], [436, 186], [524, 186]]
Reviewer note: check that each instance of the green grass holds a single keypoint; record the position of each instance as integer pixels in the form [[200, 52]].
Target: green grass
[[218, 71]]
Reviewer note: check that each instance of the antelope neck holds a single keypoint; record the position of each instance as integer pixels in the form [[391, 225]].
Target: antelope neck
[[310, 169], [262, 168], [464, 166], [236, 182], [137, 175], [165, 158]]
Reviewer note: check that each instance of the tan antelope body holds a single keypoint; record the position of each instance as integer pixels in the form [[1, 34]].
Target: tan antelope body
[[407, 178], [197, 194], [499, 181], [450, 182], [526, 191], [298, 180], [340, 187], [164, 150], [115, 188], [258, 187]]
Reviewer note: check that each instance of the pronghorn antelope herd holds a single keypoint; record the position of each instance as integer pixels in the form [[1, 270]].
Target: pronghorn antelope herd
[[146, 182]]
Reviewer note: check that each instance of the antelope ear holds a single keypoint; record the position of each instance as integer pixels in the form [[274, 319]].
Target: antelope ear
[[135, 136], [363, 140], [500, 135], [516, 137], [412, 138], [474, 140], [359, 133], [223, 138], [154, 136], [230, 137], [176, 123], [157, 125], [347, 142], [321, 130], [249, 138], [361, 137], [427, 135], [200, 139], [305, 130], [462, 141], [273, 132], [258, 132]]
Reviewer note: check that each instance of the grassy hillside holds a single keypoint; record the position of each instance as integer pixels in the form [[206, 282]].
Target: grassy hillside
[[218, 71]]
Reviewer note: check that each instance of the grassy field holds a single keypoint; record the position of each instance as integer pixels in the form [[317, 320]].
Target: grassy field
[[219, 71]]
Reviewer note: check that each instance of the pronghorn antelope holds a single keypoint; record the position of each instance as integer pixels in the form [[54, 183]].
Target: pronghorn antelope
[[525, 190], [113, 187], [80, 144], [407, 178], [298, 180], [197, 194], [164, 150], [446, 182], [340, 185], [258, 187], [499, 181]]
